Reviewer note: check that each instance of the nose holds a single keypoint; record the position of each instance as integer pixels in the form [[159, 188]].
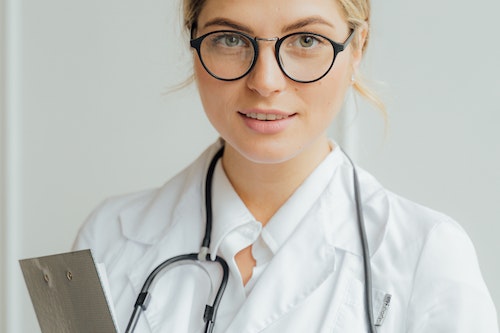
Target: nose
[[266, 77]]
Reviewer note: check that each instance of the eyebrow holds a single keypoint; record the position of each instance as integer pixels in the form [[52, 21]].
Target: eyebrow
[[306, 22], [219, 21]]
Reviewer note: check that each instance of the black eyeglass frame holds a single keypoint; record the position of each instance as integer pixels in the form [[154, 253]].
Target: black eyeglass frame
[[337, 48]]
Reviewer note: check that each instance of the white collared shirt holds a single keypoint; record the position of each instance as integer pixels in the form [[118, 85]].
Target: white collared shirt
[[235, 228]]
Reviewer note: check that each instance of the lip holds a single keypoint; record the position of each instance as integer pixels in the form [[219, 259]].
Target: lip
[[266, 121]]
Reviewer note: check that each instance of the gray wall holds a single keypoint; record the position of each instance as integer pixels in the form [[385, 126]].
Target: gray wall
[[84, 116]]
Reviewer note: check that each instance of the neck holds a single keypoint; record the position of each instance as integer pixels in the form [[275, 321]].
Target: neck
[[264, 188]]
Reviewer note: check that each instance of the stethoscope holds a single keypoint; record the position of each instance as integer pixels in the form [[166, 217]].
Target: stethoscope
[[210, 313]]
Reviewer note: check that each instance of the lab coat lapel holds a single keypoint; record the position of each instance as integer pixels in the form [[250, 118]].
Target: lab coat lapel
[[304, 262], [161, 236], [176, 243], [307, 259]]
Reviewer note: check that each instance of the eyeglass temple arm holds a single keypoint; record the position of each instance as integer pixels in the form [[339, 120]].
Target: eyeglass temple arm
[[347, 41]]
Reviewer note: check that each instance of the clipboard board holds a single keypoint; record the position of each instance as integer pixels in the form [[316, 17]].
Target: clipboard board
[[67, 293]]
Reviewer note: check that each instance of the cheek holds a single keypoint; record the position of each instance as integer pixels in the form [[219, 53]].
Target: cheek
[[208, 87], [217, 97], [330, 93], [202, 79], [336, 84]]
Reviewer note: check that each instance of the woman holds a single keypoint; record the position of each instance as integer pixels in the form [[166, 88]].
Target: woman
[[283, 198]]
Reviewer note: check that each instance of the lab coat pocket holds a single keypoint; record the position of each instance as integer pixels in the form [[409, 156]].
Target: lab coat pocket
[[352, 316]]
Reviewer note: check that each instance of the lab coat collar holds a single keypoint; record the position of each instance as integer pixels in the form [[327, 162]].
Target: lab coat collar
[[154, 223], [343, 229], [146, 222]]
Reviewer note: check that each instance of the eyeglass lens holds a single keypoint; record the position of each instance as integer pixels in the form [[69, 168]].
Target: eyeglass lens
[[227, 55], [302, 56]]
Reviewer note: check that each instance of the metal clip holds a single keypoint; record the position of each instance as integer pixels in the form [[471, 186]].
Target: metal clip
[[202, 255], [383, 310]]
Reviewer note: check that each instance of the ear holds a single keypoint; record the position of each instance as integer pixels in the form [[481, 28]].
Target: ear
[[357, 52]]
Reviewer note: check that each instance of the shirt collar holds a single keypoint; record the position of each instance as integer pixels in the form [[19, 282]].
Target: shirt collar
[[283, 223], [229, 211]]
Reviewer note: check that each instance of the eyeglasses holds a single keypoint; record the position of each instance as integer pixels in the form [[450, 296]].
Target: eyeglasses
[[302, 56]]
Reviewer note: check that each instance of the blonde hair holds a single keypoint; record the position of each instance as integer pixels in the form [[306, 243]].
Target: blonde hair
[[357, 15]]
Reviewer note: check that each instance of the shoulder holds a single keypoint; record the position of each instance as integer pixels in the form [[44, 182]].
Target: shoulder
[[105, 217], [408, 232], [430, 262], [398, 223], [142, 216], [416, 219], [444, 274], [412, 229], [393, 223], [427, 230]]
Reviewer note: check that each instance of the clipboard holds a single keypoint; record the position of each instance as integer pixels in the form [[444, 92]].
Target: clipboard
[[67, 293]]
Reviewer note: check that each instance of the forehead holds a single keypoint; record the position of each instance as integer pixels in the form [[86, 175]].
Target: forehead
[[272, 16]]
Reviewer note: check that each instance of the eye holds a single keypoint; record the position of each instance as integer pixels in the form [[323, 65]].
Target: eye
[[307, 41], [232, 40], [229, 40]]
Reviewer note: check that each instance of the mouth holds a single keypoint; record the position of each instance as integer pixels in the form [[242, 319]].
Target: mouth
[[267, 122], [265, 116]]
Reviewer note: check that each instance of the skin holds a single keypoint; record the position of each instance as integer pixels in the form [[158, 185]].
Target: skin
[[266, 162]]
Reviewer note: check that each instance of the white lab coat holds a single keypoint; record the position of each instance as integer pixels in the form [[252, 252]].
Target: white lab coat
[[315, 283]]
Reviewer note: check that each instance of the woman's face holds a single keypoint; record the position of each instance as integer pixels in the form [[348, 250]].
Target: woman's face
[[297, 114]]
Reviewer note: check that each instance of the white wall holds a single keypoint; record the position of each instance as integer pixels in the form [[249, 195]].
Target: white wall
[[440, 62], [88, 119], [2, 165], [84, 117]]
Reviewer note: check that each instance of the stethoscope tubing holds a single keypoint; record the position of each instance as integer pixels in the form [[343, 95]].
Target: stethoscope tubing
[[366, 250], [210, 313], [144, 297]]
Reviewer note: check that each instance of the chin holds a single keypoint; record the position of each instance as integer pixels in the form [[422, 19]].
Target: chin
[[270, 152]]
